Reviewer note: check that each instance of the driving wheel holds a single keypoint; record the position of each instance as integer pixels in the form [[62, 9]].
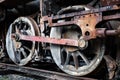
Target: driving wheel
[[20, 51], [77, 61]]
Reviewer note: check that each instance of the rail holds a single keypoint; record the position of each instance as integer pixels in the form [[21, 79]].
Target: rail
[[41, 73]]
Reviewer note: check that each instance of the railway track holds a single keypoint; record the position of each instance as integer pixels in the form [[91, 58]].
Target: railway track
[[41, 73]]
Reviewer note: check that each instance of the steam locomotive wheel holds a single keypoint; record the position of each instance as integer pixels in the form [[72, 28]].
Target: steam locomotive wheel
[[19, 51], [73, 60]]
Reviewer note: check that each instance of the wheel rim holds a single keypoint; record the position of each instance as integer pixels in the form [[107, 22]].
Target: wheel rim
[[21, 52]]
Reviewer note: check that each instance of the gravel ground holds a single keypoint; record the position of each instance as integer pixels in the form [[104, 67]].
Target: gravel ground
[[11, 75], [16, 77]]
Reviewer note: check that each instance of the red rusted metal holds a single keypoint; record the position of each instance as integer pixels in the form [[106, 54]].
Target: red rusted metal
[[62, 24], [90, 18], [69, 42], [101, 32], [86, 20], [86, 23], [114, 16], [109, 2], [112, 32], [92, 11]]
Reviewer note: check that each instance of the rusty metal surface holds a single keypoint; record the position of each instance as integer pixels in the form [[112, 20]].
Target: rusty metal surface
[[87, 24], [61, 23], [95, 10], [109, 2], [111, 17], [42, 73], [86, 20], [100, 32], [111, 65], [69, 42], [103, 32]]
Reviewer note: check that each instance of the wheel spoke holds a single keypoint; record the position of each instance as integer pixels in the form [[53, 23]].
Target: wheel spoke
[[62, 58], [18, 56], [67, 59], [27, 48], [16, 29], [23, 52], [29, 32], [83, 57], [19, 26], [75, 59], [24, 28]]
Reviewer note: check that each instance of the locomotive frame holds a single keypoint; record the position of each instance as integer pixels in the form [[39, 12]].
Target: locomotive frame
[[68, 36]]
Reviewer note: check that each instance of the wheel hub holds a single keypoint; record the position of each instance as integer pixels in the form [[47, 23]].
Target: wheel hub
[[82, 43]]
